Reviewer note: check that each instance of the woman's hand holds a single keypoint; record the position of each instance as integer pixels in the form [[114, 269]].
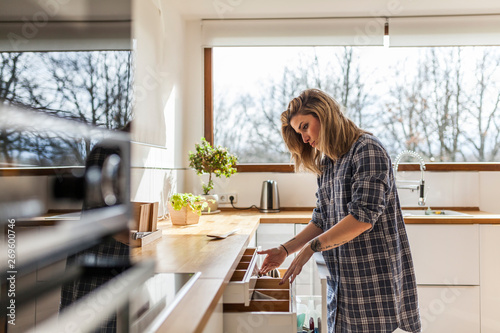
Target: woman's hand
[[300, 260], [275, 257]]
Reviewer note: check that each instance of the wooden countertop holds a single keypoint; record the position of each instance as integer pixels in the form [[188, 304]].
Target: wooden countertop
[[473, 217], [187, 249], [292, 216]]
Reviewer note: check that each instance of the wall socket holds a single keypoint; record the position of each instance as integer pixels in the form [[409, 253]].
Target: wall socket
[[224, 198]]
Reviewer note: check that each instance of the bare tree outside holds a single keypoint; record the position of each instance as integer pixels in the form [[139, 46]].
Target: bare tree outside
[[426, 109], [90, 87], [441, 102], [256, 135], [10, 76], [482, 108]]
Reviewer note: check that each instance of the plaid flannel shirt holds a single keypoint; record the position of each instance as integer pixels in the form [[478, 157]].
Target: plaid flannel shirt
[[372, 286]]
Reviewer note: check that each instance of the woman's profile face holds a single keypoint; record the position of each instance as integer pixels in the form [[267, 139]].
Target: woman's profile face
[[308, 127]]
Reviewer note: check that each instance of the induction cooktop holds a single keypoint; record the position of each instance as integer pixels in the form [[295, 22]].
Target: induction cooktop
[[156, 298]]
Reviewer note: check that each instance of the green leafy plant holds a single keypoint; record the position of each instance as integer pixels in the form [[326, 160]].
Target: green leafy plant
[[194, 202], [212, 160]]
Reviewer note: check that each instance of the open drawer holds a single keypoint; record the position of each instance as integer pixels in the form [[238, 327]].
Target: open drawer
[[240, 288], [273, 311]]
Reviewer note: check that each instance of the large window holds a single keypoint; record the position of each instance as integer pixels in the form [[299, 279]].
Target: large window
[[442, 102], [93, 87]]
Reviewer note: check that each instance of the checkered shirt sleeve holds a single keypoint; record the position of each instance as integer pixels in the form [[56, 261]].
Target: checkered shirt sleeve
[[372, 284]]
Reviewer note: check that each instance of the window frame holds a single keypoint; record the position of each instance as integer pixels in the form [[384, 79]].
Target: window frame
[[289, 167]]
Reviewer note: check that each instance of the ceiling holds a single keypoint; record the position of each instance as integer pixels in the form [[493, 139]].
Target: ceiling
[[227, 9], [65, 10], [111, 10]]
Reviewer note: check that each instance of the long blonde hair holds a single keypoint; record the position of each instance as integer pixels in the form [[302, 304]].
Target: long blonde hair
[[337, 132]]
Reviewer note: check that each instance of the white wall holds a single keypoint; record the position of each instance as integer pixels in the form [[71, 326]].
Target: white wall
[[159, 43], [489, 185], [295, 190], [443, 189], [180, 113]]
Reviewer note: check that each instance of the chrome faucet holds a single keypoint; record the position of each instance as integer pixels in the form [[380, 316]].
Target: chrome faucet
[[415, 184]]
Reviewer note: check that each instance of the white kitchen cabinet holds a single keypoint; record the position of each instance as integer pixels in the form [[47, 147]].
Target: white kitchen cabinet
[[271, 235], [442, 308], [446, 258], [449, 309], [306, 281], [216, 322], [253, 240], [323, 275], [490, 278], [445, 254], [273, 312]]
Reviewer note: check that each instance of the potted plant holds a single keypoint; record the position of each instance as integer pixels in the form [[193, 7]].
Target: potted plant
[[186, 208], [216, 161]]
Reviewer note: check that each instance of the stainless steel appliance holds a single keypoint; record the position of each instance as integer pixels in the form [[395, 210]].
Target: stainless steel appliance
[[49, 168], [269, 199]]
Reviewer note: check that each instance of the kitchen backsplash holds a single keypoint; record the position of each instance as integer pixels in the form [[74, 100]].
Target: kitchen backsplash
[[443, 189], [447, 189]]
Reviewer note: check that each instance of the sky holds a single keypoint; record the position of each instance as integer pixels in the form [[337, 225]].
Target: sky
[[255, 64]]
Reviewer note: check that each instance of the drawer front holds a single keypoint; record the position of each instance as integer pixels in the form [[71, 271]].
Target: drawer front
[[240, 288], [445, 254], [449, 309], [273, 312], [260, 322]]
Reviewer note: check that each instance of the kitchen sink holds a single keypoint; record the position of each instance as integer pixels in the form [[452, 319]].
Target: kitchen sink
[[436, 212]]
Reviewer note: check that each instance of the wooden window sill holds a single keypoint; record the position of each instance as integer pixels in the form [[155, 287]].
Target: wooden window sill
[[434, 166]]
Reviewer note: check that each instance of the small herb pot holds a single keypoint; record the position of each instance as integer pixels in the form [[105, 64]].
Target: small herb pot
[[184, 216], [213, 203]]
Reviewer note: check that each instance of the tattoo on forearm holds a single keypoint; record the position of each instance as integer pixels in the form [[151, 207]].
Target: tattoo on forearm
[[317, 247], [335, 245], [328, 247]]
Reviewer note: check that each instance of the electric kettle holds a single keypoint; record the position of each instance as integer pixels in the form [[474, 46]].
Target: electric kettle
[[269, 199]]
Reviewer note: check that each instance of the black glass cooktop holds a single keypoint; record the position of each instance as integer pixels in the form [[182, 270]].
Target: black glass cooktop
[[155, 299]]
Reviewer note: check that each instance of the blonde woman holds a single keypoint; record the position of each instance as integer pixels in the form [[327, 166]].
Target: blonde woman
[[357, 223]]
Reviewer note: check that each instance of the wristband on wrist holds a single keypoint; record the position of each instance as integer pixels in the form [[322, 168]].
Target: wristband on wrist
[[287, 254]]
